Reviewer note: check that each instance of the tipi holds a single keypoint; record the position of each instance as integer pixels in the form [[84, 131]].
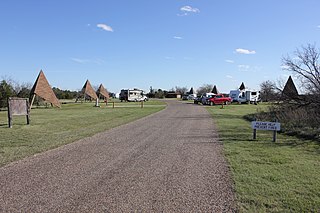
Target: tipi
[[290, 89], [42, 89], [242, 87], [88, 90], [215, 90], [102, 91]]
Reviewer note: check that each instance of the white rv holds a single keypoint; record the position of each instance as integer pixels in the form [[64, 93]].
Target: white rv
[[245, 96], [132, 95]]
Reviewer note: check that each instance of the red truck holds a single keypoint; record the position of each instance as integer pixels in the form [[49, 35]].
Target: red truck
[[219, 99]]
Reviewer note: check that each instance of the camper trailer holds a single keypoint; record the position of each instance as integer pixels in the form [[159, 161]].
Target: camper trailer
[[132, 95], [245, 96]]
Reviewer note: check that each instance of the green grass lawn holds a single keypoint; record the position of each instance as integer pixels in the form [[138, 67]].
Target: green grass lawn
[[53, 127], [268, 177]]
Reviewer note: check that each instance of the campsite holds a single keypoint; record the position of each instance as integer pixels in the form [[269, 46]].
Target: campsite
[[267, 162], [162, 106]]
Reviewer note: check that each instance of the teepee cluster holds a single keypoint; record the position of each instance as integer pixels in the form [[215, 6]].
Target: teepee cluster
[[42, 89]]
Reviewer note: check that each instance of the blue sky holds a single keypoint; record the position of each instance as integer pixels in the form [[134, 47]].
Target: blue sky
[[143, 43]]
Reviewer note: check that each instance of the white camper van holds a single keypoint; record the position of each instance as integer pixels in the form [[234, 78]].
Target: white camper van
[[132, 95], [245, 96]]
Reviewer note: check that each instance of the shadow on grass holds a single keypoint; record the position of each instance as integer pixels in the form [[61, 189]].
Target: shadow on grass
[[311, 146], [2, 124]]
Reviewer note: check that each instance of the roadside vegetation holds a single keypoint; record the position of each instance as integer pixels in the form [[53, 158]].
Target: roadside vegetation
[[53, 127], [297, 109], [268, 177]]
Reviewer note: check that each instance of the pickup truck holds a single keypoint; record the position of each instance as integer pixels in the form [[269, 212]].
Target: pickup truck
[[219, 99]]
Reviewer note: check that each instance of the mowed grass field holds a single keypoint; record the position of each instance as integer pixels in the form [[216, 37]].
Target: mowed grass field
[[53, 127], [268, 177]]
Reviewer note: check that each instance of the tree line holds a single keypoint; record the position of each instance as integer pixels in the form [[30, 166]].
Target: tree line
[[10, 88], [299, 114]]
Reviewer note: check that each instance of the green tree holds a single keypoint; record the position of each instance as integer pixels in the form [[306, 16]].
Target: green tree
[[160, 93], [23, 91], [6, 91]]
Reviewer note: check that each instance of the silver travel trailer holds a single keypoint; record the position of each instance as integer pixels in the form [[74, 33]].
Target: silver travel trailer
[[132, 95], [245, 96]]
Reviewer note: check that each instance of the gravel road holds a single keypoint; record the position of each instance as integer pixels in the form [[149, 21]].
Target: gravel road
[[170, 161]]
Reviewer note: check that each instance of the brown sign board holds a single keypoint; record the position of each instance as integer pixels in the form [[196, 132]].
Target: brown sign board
[[18, 106]]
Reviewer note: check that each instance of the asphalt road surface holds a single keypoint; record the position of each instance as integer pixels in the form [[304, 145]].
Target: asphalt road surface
[[170, 161]]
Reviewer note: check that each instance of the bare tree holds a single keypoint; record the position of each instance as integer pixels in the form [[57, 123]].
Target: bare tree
[[181, 90], [204, 89], [268, 91], [305, 65]]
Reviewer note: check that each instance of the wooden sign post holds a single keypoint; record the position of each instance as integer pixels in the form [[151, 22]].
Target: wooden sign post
[[18, 106], [262, 125]]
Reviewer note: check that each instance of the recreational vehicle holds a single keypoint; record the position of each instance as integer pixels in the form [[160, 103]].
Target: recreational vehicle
[[245, 96], [132, 95]]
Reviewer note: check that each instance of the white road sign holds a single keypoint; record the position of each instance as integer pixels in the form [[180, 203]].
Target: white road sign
[[261, 125]]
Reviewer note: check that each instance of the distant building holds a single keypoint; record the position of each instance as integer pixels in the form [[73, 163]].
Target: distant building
[[173, 95]]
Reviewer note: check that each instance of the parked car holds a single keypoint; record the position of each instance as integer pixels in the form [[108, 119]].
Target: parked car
[[204, 98], [185, 97], [192, 96], [219, 99], [197, 100], [189, 96]]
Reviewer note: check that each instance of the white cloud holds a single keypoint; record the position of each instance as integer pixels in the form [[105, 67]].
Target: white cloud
[[78, 60], [229, 61], [229, 76], [105, 27], [169, 58], [183, 14], [186, 10], [318, 26], [243, 67], [190, 9], [177, 37], [245, 51], [87, 61]]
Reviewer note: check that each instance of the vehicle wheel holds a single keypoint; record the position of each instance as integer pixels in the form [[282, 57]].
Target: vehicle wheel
[[211, 103], [227, 103]]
